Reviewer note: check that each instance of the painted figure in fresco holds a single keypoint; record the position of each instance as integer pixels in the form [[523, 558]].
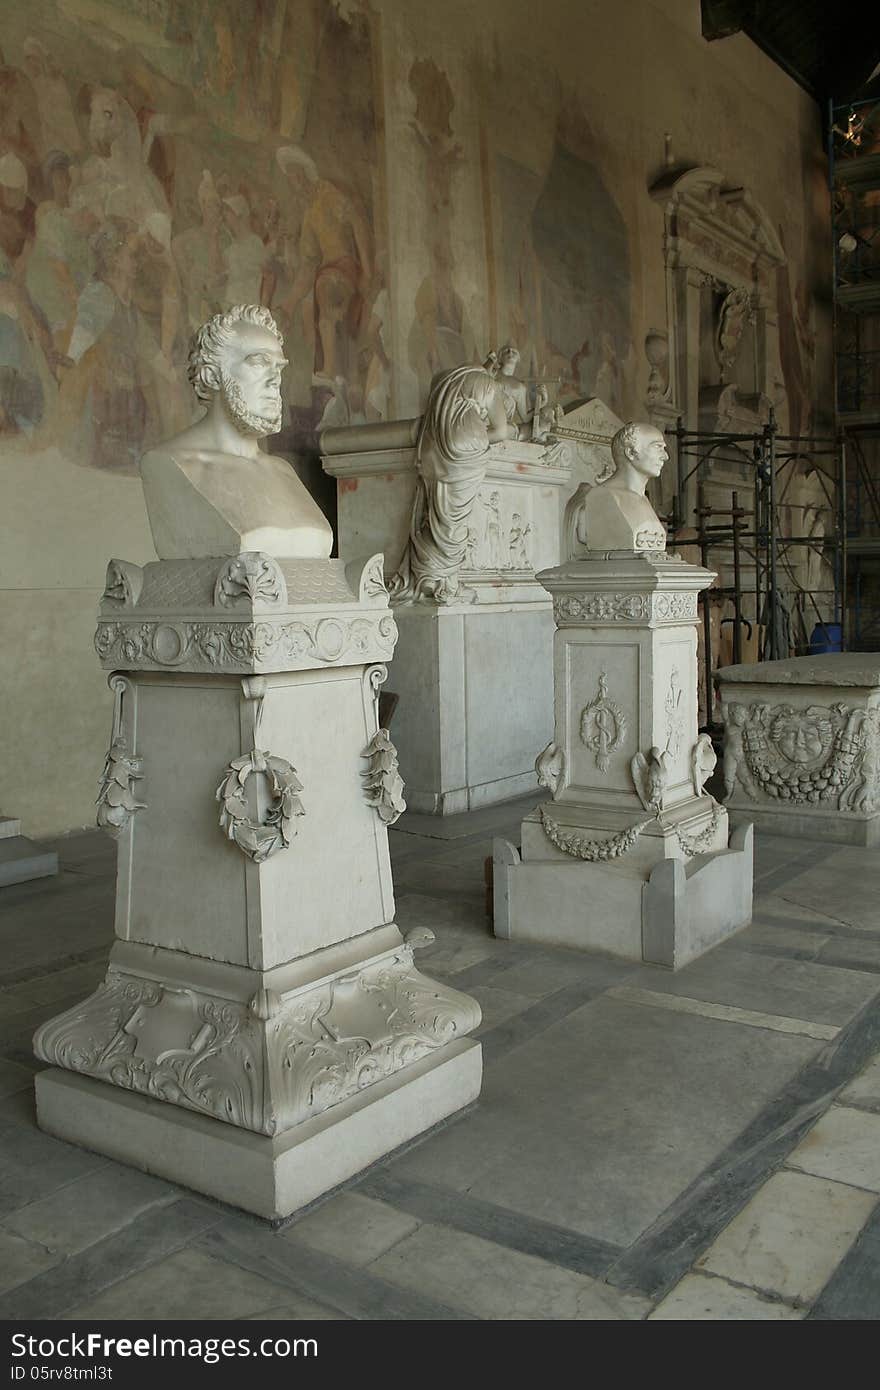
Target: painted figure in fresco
[[26, 355], [103, 396], [58, 128], [615, 514], [59, 265], [199, 254], [116, 181], [465, 415], [211, 490], [20, 132], [335, 265], [244, 254]]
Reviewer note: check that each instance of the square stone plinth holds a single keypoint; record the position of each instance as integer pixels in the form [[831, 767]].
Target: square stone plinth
[[271, 1177], [476, 701], [802, 745]]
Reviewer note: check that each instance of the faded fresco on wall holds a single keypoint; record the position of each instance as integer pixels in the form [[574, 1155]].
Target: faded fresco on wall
[[562, 267], [161, 160], [441, 336]]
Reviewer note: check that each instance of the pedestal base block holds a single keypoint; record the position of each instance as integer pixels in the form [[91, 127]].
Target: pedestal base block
[[476, 699], [808, 822], [272, 1177], [668, 918]]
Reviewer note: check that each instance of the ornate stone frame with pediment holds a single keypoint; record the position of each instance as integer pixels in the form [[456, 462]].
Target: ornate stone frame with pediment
[[714, 233]]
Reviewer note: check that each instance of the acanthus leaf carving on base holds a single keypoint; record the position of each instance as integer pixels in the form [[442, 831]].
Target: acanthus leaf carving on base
[[267, 1065], [251, 575]]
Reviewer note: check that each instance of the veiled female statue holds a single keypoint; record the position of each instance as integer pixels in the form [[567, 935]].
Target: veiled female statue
[[465, 414]]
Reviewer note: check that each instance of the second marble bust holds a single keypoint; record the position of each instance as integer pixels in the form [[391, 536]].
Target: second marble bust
[[211, 490], [615, 514]]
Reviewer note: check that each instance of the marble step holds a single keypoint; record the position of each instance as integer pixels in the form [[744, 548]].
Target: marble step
[[21, 860]]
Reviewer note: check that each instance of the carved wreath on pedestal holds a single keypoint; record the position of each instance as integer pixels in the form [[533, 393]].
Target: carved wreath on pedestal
[[260, 839], [603, 725]]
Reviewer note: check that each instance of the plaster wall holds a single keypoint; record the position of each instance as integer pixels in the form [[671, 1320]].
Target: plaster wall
[[493, 166]]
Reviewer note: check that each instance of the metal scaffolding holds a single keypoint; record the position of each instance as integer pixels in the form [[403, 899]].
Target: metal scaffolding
[[756, 539], [854, 175]]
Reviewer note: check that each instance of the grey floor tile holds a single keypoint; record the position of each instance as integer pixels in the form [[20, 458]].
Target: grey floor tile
[[791, 1236], [497, 1005], [604, 1118], [187, 1285], [853, 1292], [843, 1145], [21, 1260], [14, 1078], [788, 988], [313, 1274], [88, 1210], [701, 1298], [80, 1278], [864, 1090], [498, 1283], [352, 1227]]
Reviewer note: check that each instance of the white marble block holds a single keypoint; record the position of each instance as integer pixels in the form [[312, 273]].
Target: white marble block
[[472, 668], [262, 1033], [257, 979], [802, 745], [630, 855]]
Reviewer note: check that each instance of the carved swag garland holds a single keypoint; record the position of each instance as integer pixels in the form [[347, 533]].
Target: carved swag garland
[[808, 756]]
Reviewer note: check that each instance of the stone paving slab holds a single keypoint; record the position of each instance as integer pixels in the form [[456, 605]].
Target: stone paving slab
[[844, 1145], [477, 1275], [353, 1228], [619, 1151], [791, 1236], [699, 1298], [617, 1146]]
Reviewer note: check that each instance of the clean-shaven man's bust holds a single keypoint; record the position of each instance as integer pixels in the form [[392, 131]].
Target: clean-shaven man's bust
[[211, 490], [616, 514]]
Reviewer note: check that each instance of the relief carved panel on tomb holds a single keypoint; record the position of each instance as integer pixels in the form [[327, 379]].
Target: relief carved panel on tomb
[[818, 755]]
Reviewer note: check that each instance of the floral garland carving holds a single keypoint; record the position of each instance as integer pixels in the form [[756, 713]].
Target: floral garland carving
[[579, 847], [696, 844]]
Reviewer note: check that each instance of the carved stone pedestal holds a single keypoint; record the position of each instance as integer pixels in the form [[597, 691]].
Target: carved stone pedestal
[[262, 1033], [802, 745], [630, 856], [473, 670]]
